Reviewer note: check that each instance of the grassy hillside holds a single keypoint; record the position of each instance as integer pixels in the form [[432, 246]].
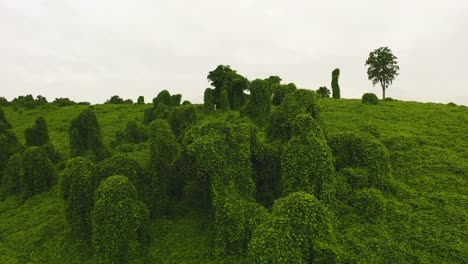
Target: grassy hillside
[[426, 205]]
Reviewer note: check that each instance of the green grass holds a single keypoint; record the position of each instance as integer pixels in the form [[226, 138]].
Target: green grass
[[428, 203]]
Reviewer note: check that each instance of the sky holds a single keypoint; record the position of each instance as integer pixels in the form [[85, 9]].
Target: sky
[[89, 50]]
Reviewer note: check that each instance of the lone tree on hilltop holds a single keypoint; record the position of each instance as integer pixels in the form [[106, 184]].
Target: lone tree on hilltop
[[383, 67]]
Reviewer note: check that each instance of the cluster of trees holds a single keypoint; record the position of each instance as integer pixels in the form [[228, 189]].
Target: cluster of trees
[[264, 168]]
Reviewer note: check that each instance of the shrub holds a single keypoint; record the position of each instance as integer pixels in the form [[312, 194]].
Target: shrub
[[27, 101], [128, 101], [37, 135], [307, 165], [141, 100], [116, 217], [324, 92], [78, 192], [370, 98], [9, 144], [334, 84], [39, 173], [371, 204], [299, 230], [85, 135], [389, 99]]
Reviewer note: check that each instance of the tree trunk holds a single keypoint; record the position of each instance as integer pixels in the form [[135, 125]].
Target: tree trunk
[[383, 92]]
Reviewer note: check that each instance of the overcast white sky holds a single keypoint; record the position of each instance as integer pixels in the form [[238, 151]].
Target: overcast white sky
[[89, 50]]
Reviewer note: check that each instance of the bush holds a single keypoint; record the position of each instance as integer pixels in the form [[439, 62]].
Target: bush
[[37, 135], [78, 192], [307, 166], [324, 92], [141, 100], [27, 101], [370, 98], [299, 230], [389, 99], [3, 120], [39, 173], [85, 135], [116, 217], [128, 101], [371, 204]]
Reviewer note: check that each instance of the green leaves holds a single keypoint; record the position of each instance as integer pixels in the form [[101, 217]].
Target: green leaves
[[383, 67]]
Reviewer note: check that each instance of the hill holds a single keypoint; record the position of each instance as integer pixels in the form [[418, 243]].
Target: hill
[[419, 214]]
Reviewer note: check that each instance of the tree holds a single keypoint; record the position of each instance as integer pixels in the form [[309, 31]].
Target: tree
[[141, 100], [39, 173], [334, 84], [383, 67], [115, 100], [324, 92], [258, 107], [37, 135]]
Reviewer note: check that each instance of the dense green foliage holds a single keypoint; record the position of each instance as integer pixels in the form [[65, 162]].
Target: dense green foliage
[[85, 137], [117, 215], [325, 181], [299, 230], [208, 102], [78, 192], [334, 84], [258, 107], [324, 92], [37, 135], [38, 172], [369, 98]]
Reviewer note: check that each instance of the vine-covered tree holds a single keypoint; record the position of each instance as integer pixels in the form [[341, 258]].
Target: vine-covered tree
[[223, 78], [258, 107], [37, 135], [39, 173], [324, 92], [116, 217], [78, 192], [141, 100], [208, 102], [85, 136], [334, 84], [383, 68], [280, 92], [3, 120]]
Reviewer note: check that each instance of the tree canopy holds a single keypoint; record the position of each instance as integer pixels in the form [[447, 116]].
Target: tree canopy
[[383, 67]]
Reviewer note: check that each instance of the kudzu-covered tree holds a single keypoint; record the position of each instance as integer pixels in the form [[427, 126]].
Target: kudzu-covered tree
[[281, 91], [258, 107], [224, 101], [182, 118], [121, 164], [39, 173], [9, 144], [208, 102], [85, 136], [78, 192], [164, 151], [296, 103], [161, 106], [223, 78], [222, 155], [299, 230], [141, 100], [115, 100], [334, 84], [37, 135], [117, 214], [307, 166]]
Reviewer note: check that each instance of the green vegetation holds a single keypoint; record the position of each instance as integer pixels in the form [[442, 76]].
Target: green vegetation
[[274, 175], [336, 94], [383, 68], [370, 98]]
